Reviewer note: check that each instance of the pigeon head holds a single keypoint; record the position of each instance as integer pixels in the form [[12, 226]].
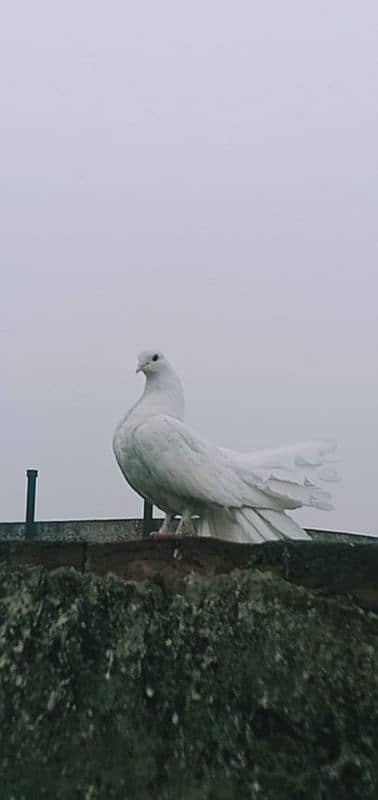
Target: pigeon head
[[151, 362]]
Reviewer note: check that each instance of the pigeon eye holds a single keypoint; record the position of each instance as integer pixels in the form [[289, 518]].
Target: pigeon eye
[[155, 357]]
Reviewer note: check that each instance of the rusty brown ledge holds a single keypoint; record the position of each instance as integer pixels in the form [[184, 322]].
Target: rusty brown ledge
[[331, 568]]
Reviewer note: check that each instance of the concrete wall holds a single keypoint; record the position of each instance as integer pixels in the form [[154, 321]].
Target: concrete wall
[[120, 530], [82, 530], [254, 678]]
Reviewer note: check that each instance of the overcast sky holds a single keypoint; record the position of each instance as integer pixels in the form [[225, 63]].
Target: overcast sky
[[202, 178]]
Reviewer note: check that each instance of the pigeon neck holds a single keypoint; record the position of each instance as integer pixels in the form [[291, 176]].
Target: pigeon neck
[[163, 391]]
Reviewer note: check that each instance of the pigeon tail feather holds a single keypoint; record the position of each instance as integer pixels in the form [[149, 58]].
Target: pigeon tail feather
[[250, 526]]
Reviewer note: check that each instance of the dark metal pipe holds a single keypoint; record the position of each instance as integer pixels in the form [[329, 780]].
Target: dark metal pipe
[[147, 519], [32, 475]]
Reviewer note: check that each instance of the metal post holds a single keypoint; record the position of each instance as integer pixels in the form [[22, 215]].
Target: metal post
[[147, 519], [30, 501]]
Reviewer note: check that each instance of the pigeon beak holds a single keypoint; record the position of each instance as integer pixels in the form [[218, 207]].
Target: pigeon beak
[[141, 367]]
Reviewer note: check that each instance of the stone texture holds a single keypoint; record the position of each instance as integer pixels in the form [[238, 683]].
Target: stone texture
[[76, 530], [218, 671], [120, 530], [345, 568]]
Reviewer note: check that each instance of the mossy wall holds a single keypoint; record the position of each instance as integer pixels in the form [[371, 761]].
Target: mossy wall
[[237, 685]]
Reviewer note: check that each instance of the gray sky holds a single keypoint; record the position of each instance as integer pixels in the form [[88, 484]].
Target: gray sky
[[199, 177]]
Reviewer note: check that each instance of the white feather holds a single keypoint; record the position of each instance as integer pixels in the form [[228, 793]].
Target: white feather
[[240, 497]]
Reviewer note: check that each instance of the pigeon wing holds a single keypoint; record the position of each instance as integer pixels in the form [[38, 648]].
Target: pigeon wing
[[181, 462]]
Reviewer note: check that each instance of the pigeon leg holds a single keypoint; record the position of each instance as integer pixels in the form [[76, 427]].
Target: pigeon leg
[[185, 526], [164, 531]]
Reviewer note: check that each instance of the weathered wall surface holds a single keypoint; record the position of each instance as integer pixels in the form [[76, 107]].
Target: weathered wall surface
[[117, 530], [80, 530], [194, 684]]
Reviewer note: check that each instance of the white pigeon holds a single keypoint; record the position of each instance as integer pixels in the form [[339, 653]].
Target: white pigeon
[[239, 497]]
